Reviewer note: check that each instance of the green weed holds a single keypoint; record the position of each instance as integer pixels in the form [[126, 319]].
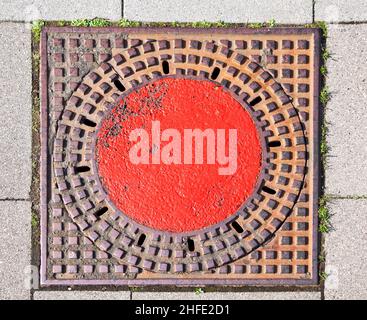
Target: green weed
[[272, 23], [124, 23], [96, 22], [199, 291], [324, 215], [37, 29]]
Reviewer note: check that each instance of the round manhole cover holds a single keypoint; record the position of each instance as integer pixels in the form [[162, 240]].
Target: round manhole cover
[[179, 217], [178, 154]]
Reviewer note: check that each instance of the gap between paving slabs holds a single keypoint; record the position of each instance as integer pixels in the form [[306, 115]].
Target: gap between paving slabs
[[101, 22]]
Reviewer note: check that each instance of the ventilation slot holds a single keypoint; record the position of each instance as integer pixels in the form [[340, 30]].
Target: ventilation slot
[[273, 144], [215, 73], [101, 211], [268, 190], [191, 244], [119, 85], [81, 169], [165, 66], [237, 227], [255, 101], [141, 239], [87, 122]]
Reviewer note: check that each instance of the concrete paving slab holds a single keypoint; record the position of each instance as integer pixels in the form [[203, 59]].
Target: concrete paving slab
[[341, 10], [23, 10], [292, 11], [15, 111], [226, 296], [346, 112], [81, 295], [346, 255], [15, 249]]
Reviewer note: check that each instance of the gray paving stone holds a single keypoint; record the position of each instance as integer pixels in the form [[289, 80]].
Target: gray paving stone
[[15, 248], [290, 11], [347, 111], [23, 10], [346, 254], [341, 10], [81, 295], [15, 110], [226, 296]]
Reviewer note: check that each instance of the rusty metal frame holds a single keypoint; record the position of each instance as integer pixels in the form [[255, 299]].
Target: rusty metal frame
[[45, 160]]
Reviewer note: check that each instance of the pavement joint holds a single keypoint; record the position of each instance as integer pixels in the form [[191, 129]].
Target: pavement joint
[[332, 197], [15, 199]]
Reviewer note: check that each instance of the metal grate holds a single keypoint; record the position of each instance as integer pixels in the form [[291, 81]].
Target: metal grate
[[270, 240]]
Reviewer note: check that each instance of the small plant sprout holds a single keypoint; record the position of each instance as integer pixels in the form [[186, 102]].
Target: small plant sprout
[[36, 29], [323, 275], [323, 71], [272, 23], [96, 22], [125, 23], [199, 291], [256, 25], [324, 216], [324, 95]]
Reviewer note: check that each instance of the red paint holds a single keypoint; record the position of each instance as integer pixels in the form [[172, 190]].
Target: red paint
[[183, 197]]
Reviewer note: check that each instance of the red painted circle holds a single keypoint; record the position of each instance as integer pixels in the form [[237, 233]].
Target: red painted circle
[[177, 197]]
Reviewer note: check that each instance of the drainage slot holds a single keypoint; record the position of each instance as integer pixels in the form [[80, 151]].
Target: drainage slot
[[255, 101], [237, 227], [87, 122], [141, 239], [165, 66], [273, 144], [268, 190], [191, 244], [119, 85], [81, 169], [215, 73], [101, 211]]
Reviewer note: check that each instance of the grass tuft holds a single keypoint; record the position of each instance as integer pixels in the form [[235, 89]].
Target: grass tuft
[[61, 23], [256, 25], [206, 24], [324, 149], [322, 257], [323, 71], [324, 95], [37, 29], [323, 26], [272, 23], [96, 22], [125, 23], [199, 291], [324, 215], [201, 24], [34, 220], [325, 54], [323, 276], [319, 24]]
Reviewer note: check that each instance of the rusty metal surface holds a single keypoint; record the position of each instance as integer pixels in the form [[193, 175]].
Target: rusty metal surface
[[278, 243]]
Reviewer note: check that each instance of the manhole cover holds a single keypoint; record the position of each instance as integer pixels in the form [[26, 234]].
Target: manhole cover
[[179, 156], [164, 191]]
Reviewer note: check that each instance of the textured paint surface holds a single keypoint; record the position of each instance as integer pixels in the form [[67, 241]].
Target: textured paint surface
[[177, 197]]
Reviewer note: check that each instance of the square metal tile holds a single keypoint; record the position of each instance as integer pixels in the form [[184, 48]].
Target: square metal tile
[[276, 242]]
